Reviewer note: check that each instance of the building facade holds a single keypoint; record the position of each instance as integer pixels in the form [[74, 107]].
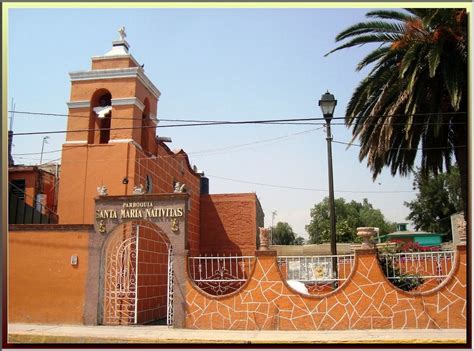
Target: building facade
[[140, 240], [139, 209]]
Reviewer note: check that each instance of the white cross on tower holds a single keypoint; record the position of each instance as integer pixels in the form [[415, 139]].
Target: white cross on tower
[[122, 33]]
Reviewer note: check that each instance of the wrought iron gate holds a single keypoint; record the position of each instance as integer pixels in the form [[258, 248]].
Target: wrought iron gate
[[121, 281], [170, 314]]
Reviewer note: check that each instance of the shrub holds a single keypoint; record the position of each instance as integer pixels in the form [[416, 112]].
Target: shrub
[[404, 281]]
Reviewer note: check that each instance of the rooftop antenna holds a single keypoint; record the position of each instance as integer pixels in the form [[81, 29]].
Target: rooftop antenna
[[12, 115]]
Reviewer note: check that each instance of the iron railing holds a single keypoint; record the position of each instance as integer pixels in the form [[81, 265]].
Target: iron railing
[[315, 269], [426, 265], [220, 274]]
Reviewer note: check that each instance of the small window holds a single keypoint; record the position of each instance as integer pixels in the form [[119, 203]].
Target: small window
[[17, 187], [149, 184]]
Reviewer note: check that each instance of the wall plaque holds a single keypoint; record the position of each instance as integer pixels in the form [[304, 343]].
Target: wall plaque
[[168, 211]]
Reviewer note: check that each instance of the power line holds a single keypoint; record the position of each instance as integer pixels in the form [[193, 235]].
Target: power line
[[276, 121], [150, 171], [407, 148], [427, 114], [310, 189], [219, 150], [208, 151], [212, 151]]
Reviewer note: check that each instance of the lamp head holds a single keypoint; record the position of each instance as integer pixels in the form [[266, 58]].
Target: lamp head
[[328, 105]]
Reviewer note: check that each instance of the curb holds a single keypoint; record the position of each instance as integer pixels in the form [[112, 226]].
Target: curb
[[54, 339]]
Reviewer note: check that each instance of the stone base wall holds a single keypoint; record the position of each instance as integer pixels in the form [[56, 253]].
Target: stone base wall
[[366, 300]]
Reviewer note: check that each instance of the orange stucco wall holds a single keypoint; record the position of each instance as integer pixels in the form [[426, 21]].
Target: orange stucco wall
[[229, 223], [84, 169], [43, 286], [366, 300]]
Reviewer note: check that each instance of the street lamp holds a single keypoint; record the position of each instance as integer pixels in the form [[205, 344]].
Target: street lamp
[[42, 148], [328, 104]]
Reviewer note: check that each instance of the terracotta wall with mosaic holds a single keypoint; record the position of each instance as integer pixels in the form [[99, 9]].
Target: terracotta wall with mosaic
[[366, 300]]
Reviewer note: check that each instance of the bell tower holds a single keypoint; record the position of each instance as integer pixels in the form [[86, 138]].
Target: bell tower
[[112, 113]]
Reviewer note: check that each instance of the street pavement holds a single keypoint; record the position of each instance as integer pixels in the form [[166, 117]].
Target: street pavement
[[21, 333]]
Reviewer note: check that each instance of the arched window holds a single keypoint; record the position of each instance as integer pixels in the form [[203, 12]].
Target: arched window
[[101, 116]]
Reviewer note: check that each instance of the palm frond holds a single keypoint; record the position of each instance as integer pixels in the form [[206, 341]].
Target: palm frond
[[383, 38], [371, 27], [373, 56], [434, 58], [391, 15]]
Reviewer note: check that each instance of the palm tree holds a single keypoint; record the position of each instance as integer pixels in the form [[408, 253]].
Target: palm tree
[[415, 96]]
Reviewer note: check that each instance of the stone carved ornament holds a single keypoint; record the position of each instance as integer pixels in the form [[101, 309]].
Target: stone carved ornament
[[102, 190], [138, 189], [264, 239], [461, 227], [366, 233], [179, 188]]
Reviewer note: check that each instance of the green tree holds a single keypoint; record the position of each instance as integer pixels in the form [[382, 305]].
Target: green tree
[[299, 240], [438, 197], [349, 216], [283, 235], [415, 95]]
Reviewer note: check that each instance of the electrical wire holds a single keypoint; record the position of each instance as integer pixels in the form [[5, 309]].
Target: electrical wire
[[208, 151], [150, 171], [428, 114], [407, 148], [310, 189], [282, 121]]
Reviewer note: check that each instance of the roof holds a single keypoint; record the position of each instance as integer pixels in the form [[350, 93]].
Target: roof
[[24, 168], [412, 233]]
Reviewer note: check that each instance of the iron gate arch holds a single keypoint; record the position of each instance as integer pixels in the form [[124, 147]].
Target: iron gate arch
[[132, 262]]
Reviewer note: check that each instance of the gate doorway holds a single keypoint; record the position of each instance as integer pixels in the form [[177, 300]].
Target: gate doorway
[[138, 276]]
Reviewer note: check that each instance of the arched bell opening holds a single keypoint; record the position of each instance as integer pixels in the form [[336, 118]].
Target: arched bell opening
[[100, 117]]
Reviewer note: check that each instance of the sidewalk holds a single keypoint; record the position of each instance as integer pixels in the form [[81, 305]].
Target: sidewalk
[[19, 333]]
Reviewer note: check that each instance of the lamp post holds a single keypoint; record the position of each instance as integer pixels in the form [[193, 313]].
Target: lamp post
[[328, 104], [42, 148]]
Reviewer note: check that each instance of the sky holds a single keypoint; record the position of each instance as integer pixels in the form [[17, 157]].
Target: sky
[[214, 64]]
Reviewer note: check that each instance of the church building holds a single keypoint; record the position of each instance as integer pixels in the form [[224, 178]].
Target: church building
[[139, 208]]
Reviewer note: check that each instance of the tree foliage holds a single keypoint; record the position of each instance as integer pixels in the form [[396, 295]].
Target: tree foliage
[[438, 197], [283, 234], [349, 216], [415, 95]]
